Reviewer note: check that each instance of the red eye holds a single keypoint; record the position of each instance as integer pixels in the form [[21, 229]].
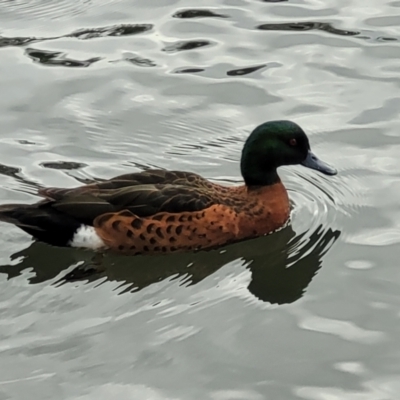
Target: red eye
[[293, 142]]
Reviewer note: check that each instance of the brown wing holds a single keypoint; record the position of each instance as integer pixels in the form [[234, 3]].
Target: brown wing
[[149, 177], [142, 200]]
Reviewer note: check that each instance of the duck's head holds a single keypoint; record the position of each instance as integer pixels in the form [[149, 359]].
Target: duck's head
[[273, 144]]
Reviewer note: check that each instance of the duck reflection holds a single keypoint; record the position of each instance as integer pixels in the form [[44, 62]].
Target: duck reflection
[[282, 265]]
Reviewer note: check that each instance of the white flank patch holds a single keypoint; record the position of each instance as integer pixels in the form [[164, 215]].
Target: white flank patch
[[86, 237]]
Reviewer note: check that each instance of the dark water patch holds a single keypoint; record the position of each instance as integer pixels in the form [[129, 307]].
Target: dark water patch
[[9, 171], [17, 41], [85, 271], [375, 36], [198, 13], [386, 39], [140, 61], [63, 165], [25, 185], [117, 30], [186, 45], [56, 58], [188, 70], [245, 71], [306, 26], [303, 260], [26, 142], [82, 34]]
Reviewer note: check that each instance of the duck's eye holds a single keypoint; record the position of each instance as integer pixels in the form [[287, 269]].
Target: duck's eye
[[293, 142]]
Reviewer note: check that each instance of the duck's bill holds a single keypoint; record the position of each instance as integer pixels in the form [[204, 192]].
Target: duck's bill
[[313, 162]]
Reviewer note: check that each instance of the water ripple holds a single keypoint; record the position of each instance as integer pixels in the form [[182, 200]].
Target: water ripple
[[139, 61], [56, 58], [198, 13], [82, 34], [306, 26], [63, 165], [190, 70], [186, 45], [117, 30], [346, 330], [45, 9], [245, 71], [17, 41], [50, 9]]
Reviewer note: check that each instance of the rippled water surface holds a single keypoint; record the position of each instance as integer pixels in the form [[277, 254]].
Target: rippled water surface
[[95, 88]]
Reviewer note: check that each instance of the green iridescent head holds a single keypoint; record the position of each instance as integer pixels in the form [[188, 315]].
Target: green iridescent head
[[273, 144]]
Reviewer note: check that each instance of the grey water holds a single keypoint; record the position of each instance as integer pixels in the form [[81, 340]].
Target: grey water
[[91, 89]]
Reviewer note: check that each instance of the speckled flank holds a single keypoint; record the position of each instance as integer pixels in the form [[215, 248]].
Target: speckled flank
[[167, 232], [250, 215]]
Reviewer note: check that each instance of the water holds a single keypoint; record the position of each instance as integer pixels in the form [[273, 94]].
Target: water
[[92, 89]]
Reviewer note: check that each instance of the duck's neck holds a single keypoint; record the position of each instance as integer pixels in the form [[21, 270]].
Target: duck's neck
[[258, 179]]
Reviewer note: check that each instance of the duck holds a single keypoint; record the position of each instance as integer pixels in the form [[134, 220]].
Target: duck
[[161, 211]]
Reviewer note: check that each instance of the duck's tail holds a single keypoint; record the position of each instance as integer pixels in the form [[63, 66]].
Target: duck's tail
[[41, 221]]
